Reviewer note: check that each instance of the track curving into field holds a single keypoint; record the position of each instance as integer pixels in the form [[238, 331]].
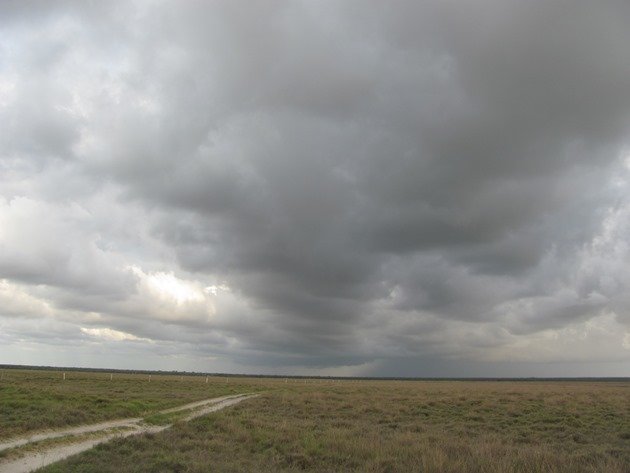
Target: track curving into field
[[111, 429]]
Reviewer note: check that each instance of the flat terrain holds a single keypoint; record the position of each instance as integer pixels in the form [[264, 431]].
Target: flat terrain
[[34, 400], [23, 455], [383, 426]]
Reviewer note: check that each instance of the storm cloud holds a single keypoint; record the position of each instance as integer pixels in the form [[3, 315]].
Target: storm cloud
[[384, 188]]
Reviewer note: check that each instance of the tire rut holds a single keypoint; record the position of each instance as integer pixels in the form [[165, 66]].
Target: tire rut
[[35, 460]]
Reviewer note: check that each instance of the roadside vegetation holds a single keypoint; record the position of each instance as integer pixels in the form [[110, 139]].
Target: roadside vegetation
[[368, 426], [34, 400]]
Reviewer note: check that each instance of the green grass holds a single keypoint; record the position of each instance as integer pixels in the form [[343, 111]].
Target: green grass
[[33, 400], [165, 419], [392, 426]]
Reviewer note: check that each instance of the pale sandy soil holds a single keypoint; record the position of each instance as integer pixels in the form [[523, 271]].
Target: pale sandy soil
[[32, 460]]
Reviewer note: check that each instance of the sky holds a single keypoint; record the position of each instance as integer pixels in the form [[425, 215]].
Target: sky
[[343, 188]]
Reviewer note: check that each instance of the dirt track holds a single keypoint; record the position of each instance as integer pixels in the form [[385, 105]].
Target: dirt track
[[134, 426]]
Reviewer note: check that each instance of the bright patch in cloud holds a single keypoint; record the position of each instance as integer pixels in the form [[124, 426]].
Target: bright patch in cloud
[[214, 289], [112, 335], [167, 286]]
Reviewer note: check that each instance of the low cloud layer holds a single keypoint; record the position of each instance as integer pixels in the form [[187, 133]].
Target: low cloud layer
[[401, 188]]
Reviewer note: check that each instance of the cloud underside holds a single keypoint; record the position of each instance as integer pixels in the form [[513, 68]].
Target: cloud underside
[[354, 188]]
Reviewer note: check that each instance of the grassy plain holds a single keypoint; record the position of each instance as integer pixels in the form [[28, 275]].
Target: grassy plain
[[33, 400], [373, 426]]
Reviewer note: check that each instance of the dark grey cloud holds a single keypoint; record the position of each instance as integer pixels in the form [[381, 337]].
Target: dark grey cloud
[[364, 181]]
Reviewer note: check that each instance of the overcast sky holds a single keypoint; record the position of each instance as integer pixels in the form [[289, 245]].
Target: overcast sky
[[417, 188]]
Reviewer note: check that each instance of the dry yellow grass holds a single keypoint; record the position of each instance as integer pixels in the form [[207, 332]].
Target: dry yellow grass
[[387, 426]]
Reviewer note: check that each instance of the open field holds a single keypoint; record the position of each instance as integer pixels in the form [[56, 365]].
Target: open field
[[23, 455], [34, 400], [381, 426]]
